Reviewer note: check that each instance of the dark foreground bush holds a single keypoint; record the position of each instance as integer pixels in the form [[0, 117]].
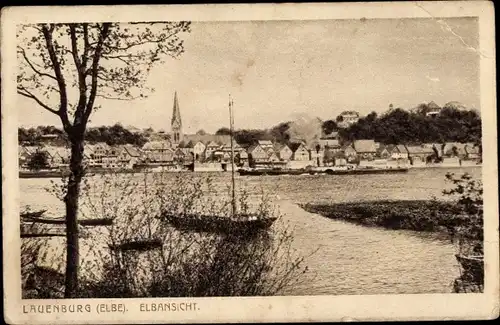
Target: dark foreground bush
[[161, 261]]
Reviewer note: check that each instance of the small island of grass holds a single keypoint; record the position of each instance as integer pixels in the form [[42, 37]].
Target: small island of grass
[[417, 215]]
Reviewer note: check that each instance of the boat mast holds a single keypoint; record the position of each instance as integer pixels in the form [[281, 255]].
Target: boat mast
[[231, 121]]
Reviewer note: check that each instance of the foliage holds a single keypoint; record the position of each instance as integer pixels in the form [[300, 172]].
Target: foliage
[[329, 126], [186, 264], [399, 126], [112, 135], [115, 135], [418, 215], [468, 196], [247, 137], [223, 131], [64, 67], [201, 132], [39, 160], [34, 136]]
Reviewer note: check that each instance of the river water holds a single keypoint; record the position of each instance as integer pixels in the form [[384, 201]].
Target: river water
[[347, 258]]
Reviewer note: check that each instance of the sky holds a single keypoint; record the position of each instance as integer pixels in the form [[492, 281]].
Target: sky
[[277, 71]]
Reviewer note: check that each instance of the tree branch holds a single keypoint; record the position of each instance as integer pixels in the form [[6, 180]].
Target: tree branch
[[117, 98], [86, 45], [63, 97], [23, 91], [33, 67], [95, 69], [82, 84], [147, 41], [74, 46]]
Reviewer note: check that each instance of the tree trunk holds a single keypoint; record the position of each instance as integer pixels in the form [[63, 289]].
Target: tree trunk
[[71, 201]]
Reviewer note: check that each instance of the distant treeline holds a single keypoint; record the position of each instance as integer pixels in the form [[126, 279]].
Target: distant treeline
[[112, 135], [399, 126], [246, 137], [396, 126]]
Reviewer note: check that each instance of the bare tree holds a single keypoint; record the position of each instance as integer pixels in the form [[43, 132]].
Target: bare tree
[[64, 68]]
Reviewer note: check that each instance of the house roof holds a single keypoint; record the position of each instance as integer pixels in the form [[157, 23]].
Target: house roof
[[389, 147], [207, 138], [253, 147], [280, 146], [365, 146], [157, 156], [381, 148], [294, 146], [419, 150], [433, 106], [347, 146], [31, 149], [243, 154], [265, 143], [156, 145], [132, 150], [331, 142], [272, 154], [213, 144], [102, 146], [471, 149], [188, 144], [227, 145], [401, 148], [57, 151]]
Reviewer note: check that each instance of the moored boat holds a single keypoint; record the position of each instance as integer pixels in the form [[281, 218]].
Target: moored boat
[[239, 225], [472, 267], [321, 170], [272, 171]]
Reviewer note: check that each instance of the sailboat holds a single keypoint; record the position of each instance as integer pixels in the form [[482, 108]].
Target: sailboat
[[235, 224]]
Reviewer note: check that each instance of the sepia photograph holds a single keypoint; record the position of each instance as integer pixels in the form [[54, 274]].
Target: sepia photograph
[[188, 158]]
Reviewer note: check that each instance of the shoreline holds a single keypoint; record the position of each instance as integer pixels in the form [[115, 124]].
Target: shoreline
[[58, 173]]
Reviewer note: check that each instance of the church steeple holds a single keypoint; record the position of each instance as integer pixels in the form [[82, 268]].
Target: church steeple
[[176, 122]]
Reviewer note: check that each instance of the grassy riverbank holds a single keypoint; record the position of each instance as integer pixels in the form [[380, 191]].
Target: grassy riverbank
[[418, 215]]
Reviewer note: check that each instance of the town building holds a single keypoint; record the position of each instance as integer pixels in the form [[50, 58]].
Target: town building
[[283, 152], [210, 148], [176, 124], [300, 152], [433, 109], [365, 149], [399, 152], [347, 118], [472, 152], [454, 149], [383, 151], [267, 145], [419, 154], [350, 153], [257, 155]]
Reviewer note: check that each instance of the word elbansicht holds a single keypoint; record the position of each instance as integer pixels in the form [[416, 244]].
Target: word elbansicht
[[107, 308]]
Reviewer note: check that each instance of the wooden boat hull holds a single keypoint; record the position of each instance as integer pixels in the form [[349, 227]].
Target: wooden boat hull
[[367, 171], [473, 267], [216, 224], [272, 172], [277, 172]]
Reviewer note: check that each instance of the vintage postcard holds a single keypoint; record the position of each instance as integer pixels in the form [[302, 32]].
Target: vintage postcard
[[249, 163]]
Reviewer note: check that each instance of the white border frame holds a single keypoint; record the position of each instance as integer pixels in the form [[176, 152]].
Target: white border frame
[[257, 309]]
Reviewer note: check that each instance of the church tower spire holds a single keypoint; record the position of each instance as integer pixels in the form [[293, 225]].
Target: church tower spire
[[176, 123]]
